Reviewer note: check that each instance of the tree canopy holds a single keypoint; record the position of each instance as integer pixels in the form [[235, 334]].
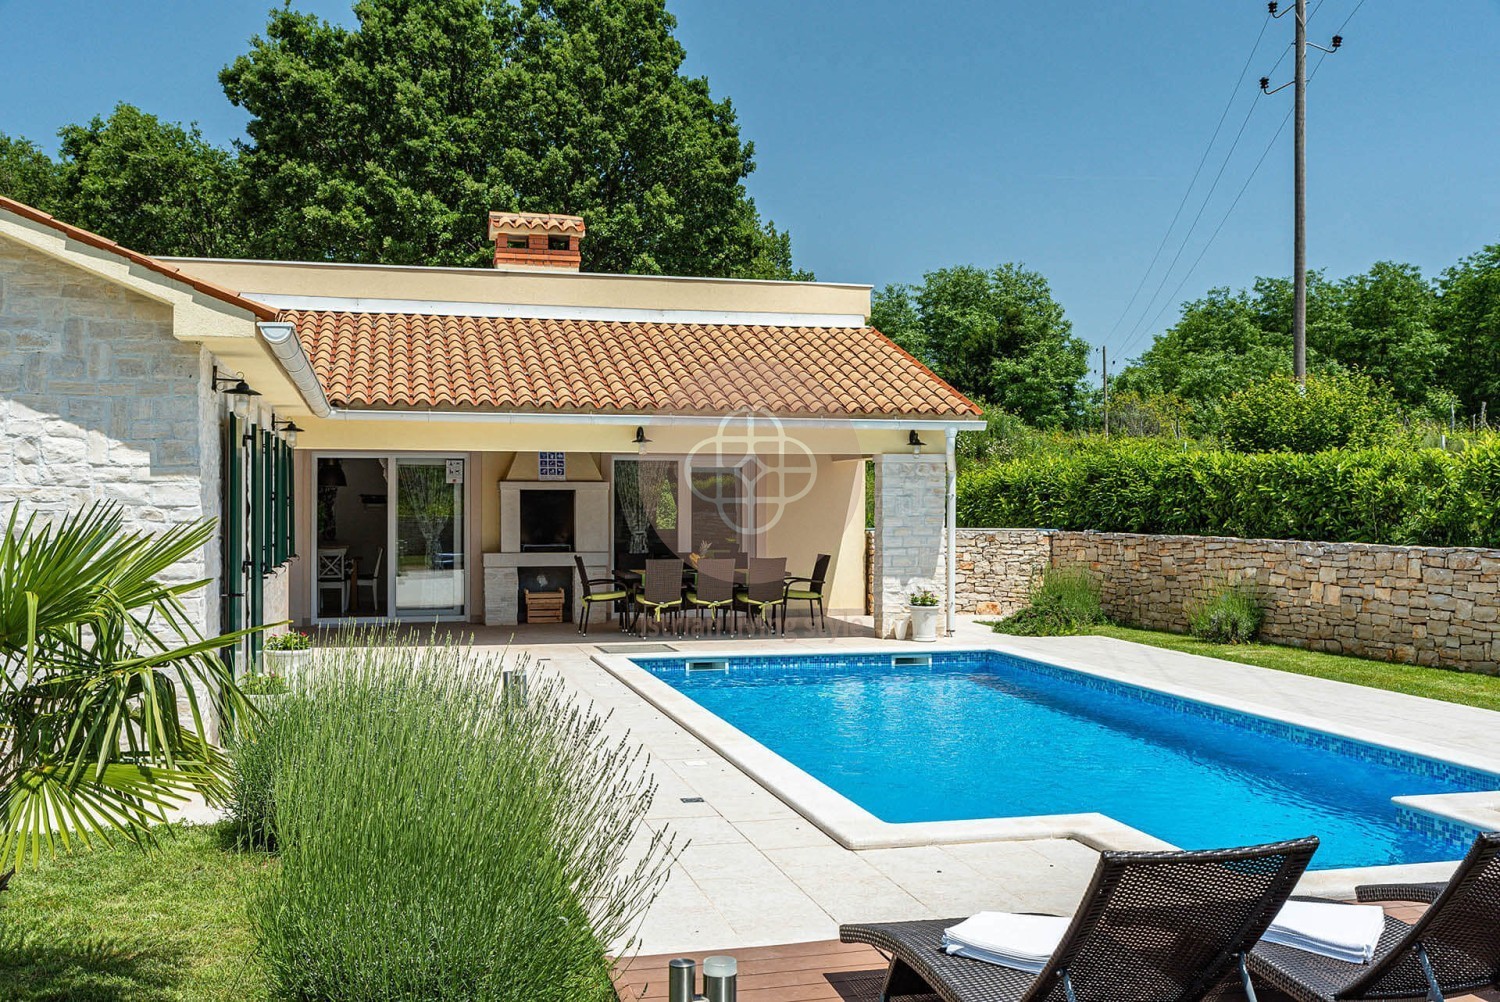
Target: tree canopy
[[390, 141], [1426, 344], [996, 335]]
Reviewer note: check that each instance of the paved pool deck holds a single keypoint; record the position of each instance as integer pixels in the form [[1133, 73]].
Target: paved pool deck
[[756, 873]]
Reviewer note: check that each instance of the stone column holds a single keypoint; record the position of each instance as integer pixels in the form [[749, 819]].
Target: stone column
[[908, 540]]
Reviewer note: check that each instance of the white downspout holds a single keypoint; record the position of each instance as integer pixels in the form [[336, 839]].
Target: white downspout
[[951, 435]]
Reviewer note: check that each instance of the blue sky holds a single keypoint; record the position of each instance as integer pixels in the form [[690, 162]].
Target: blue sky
[[893, 138]]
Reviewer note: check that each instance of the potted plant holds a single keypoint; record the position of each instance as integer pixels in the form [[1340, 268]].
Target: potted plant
[[286, 654], [924, 615], [263, 689]]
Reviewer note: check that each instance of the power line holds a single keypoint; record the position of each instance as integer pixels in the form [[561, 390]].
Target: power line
[[1244, 187], [1191, 184], [1218, 229], [1136, 329]]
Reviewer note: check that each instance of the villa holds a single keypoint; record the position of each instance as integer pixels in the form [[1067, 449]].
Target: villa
[[433, 444]]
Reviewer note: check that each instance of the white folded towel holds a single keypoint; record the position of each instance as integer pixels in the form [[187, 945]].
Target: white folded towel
[[1343, 932], [1021, 942]]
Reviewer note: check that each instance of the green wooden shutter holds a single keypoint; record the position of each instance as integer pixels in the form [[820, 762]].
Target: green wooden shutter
[[291, 502], [232, 504], [257, 561]]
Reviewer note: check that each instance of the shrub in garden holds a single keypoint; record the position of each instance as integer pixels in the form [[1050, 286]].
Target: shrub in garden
[[1067, 601], [442, 836], [1230, 615], [1389, 495], [1333, 411]]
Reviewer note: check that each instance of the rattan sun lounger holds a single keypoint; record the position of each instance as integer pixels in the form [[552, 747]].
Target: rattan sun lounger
[[1453, 947], [1153, 927]]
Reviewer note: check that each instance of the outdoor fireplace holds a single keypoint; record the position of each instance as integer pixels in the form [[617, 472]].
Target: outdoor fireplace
[[547, 521], [545, 526]]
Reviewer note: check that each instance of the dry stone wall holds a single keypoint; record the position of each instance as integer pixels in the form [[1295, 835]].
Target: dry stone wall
[[1431, 606]]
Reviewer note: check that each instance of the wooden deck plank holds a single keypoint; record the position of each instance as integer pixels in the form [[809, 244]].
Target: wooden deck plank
[[826, 972]]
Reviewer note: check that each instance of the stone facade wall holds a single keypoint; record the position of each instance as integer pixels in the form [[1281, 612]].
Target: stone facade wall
[[908, 547], [98, 402], [1421, 605]]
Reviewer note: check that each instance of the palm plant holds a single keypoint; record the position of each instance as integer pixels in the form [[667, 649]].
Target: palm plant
[[95, 649]]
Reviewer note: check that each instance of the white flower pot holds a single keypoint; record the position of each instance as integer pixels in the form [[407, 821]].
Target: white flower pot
[[287, 664], [924, 622]]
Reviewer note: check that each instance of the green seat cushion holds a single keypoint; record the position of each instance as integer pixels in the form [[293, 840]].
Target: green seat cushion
[[753, 601], [693, 598], [605, 596], [803, 596], [659, 605]]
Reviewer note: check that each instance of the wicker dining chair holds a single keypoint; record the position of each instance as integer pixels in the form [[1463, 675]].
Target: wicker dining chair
[[1153, 927], [764, 592], [813, 593], [611, 593], [1454, 947], [713, 592], [660, 593]]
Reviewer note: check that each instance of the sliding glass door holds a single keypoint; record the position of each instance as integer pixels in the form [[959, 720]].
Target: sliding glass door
[[646, 511], [429, 540], [665, 508], [391, 533]]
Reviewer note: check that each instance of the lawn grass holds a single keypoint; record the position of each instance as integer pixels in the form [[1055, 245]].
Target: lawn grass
[[1468, 688], [124, 923]]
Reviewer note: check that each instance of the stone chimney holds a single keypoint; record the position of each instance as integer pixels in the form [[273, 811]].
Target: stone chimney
[[528, 240]]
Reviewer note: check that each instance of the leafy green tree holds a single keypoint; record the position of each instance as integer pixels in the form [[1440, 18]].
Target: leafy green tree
[[1217, 346], [1384, 328], [894, 314], [1468, 317], [1336, 411], [28, 174], [151, 185], [994, 334], [390, 142]]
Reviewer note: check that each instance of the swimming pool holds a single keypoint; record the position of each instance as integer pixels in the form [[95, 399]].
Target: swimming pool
[[984, 734]]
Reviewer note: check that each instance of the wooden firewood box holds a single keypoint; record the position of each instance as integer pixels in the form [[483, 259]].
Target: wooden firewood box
[[545, 606]]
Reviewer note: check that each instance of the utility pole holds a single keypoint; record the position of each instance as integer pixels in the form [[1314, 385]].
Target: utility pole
[[1299, 182], [1104, 371], [1299, 211]]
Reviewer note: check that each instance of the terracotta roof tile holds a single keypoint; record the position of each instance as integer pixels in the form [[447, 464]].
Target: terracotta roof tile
[[419, 360]]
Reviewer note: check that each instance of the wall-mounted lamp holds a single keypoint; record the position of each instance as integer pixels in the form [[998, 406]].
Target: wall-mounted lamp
[[915, 441], [239, 391], [641, 441], [289, 432]]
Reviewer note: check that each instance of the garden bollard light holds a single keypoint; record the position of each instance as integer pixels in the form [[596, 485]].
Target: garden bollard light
[[720, 978], [682, 978]]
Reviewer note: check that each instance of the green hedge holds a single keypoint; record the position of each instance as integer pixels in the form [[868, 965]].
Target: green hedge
[[1399, 496]]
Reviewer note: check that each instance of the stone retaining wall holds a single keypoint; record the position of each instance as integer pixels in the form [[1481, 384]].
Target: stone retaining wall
[[1422, 605]]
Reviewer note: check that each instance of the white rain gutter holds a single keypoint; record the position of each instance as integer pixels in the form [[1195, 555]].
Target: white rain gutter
[[951, 437], [656, 420], [281, 338]]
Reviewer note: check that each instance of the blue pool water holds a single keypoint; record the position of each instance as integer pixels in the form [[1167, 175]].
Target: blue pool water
[[983, 734]]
